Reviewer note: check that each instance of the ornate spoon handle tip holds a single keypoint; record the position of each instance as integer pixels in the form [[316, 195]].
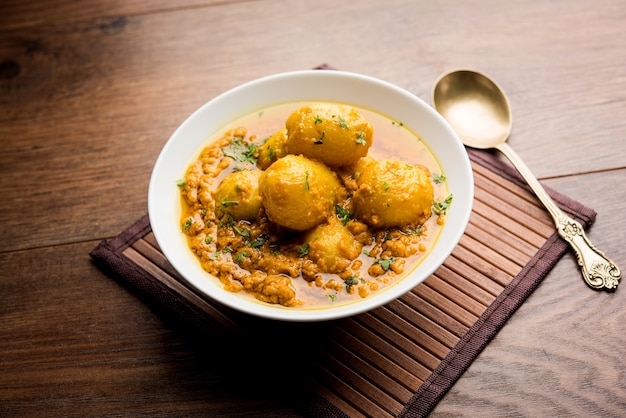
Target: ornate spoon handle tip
[[598, 271]]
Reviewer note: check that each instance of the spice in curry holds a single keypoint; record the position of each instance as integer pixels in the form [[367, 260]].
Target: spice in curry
[[303, 208]]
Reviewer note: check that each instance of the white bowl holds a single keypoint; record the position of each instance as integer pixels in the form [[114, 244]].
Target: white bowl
[[186, 142]]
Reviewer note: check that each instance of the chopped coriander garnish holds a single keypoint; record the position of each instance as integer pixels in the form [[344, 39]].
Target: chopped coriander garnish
[[240, 151], [227, 220], [216, 254], [259, 241], [243, 232], [208, 239], [361, 138], [344, 215], [438, 178], [239, 257], [342, 123], [181, 183], [441, 208], [384, 263], [417, 231], [332, 296], [304, 249], [386, 186], [306, 181], [351, 281], [317, 120], [188, 224], [225, 203]]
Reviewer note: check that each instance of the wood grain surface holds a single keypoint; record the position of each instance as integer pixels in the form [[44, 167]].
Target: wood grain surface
[[91, 91]]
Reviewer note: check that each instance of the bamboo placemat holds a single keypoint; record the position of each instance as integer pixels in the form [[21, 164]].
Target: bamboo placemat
[[400, 359]]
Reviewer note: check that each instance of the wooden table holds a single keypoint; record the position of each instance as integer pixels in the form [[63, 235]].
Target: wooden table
[[90, 92]]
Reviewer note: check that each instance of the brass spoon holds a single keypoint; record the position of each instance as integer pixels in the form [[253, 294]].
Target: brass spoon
[[479, 112]]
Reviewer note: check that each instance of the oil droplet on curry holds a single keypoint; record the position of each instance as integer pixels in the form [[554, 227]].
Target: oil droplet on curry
[[311, 205]]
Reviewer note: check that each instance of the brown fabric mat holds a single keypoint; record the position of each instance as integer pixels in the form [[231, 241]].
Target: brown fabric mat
[[400, 359]]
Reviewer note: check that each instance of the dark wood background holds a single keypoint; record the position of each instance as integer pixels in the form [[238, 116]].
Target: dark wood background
[[90, 92]]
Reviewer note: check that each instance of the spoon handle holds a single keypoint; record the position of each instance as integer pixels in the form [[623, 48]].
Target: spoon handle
[[598, 271]]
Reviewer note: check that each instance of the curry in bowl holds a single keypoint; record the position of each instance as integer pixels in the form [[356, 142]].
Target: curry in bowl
[[313, 204]]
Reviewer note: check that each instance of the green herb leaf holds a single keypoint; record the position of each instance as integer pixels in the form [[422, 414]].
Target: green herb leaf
[[441, 208], [306, 181], [384, 263], [240, 151], [351, 281], [227, 220], [342, 123], [304, 250], [417, 231], [243, 232], [344, 215], [361, 138], [259, 241], [208, 239], [226, 203], [239, 257], [188, 224], [181, 183], [438, 178], [318, 120]]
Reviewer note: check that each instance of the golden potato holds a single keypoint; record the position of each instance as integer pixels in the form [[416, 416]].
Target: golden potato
[[332, 247], [274, 148], [392, 193], [335, 134], [298, 193], [238, 195]]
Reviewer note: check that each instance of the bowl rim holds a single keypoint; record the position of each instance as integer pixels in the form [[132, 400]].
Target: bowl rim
[[281, 85]]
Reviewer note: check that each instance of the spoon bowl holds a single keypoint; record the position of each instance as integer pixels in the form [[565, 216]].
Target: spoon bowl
[[480, 113], [475, 107]]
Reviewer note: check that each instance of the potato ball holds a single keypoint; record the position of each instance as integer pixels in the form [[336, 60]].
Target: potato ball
[[238, 195], [392, 193], [335, 134], [298, 193], [273, 149], [332, 247]]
